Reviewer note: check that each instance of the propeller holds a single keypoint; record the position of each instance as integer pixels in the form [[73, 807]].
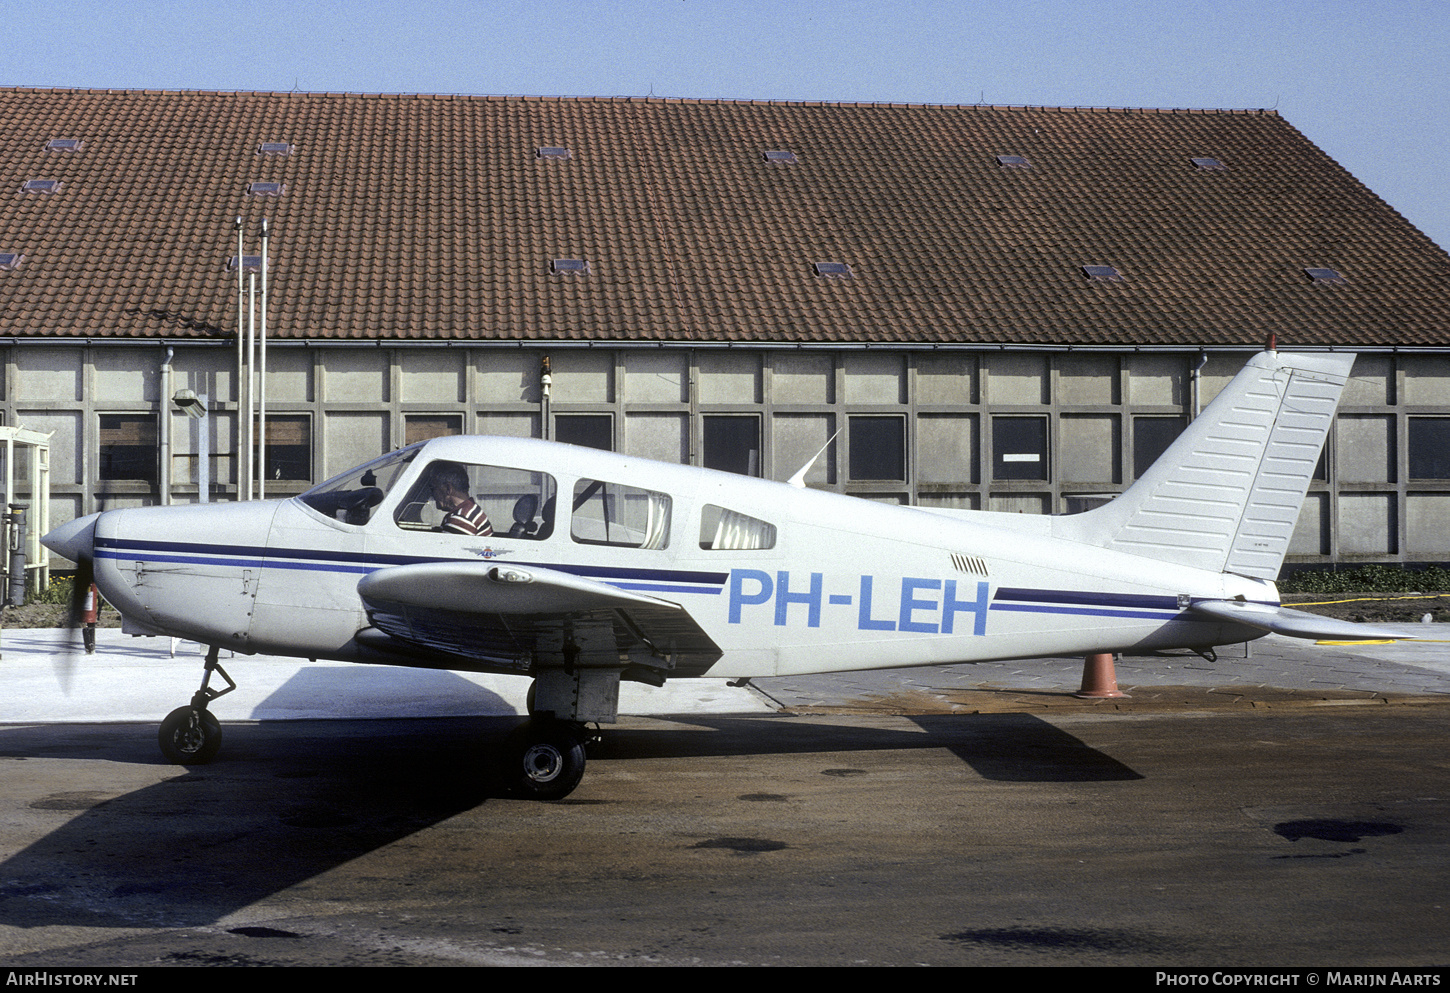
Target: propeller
[[65, 662], [75, 541]]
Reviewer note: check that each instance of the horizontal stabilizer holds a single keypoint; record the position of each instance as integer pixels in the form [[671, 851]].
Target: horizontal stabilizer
[[1294, 623]]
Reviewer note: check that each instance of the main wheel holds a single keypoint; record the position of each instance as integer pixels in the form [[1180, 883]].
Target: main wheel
[[545, 759], [189, 736]]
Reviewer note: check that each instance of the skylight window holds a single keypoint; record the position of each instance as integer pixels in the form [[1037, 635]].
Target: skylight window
[[266, 189], [41, 185], [250, 263], [1325, 276], [1102, 273], [1207, 164], [65, 144], [781, 155], [571, 265], [10, 260], [837, 270], [274, 148], [1013, 162], [553, 152]]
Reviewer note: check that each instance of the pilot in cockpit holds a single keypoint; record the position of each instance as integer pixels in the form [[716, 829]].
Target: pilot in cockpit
[[450, 495]]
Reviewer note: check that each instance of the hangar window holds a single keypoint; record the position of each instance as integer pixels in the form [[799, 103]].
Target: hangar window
[[1151, 438], [1429, 447], [289, 448], [732, 443], [586, 430], [876, 447], [128, 447], [448, 497], [722, 529], [421, 427], [615, 514], [1019, 448]]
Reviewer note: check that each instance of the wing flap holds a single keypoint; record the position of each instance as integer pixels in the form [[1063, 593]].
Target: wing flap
[[1294, 623]]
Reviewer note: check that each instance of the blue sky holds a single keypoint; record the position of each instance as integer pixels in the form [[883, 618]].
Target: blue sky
[[1369, 82]]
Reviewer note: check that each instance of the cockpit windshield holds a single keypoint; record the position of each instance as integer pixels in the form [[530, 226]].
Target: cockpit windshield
[[351, 497]]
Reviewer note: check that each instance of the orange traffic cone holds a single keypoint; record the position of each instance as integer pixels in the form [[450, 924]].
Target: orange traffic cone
[[1099, 682]]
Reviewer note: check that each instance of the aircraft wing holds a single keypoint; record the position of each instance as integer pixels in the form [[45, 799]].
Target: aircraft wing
[[1294, 623], [515, 617]]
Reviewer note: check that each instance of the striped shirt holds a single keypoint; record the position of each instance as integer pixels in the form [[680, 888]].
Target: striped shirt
[[468, 519]]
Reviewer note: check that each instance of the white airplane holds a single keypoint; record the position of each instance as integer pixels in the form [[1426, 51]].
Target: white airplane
[[604, 567]]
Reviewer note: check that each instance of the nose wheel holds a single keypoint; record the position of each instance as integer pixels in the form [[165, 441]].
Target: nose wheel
[[544, 758], [191, 735]]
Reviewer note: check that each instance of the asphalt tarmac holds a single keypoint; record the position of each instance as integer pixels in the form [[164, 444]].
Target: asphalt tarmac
[[1288, 806]]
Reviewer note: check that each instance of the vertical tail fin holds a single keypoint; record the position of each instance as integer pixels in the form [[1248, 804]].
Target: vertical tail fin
[[1226, 494]]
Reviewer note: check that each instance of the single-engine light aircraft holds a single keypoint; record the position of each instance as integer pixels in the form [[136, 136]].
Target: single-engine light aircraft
[[582, 568]]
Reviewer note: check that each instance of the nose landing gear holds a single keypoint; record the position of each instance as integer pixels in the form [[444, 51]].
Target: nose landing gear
[[191, 735]]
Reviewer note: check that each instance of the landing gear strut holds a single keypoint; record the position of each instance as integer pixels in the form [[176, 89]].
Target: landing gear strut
[[191, 735]]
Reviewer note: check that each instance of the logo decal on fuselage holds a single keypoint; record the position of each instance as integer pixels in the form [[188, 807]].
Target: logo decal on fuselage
[[488, 551]]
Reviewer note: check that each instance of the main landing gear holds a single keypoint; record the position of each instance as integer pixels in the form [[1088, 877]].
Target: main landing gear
[[544, 758], [191, 735]]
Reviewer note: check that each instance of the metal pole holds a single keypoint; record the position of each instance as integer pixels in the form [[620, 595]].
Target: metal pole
[[164, 469], [203, 453], [262, 379], [241, 358], [251, 371]]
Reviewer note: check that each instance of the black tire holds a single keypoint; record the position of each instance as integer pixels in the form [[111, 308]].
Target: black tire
[[545, 759], [185, 741]]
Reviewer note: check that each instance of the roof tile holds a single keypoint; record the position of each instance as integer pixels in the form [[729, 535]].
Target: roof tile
[[432, 216]]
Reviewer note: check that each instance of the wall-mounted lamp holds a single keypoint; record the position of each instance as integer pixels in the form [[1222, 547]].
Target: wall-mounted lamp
[[189, 403]]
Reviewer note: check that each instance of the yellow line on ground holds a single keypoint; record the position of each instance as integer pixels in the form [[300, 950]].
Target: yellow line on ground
[[1368, 599]]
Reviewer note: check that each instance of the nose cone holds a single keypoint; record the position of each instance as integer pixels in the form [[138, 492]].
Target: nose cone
[[76, 540]]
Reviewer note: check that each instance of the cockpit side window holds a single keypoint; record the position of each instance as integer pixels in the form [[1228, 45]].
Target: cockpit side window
[[480, 500], [615, 514], [352, 496], [722, 529]]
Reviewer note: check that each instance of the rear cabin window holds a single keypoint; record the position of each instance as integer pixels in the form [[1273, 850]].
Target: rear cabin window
[[480, 500], [615, 514], [722, 529]]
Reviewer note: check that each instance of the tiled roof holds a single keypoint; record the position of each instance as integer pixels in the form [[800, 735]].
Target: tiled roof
[[436, 217]]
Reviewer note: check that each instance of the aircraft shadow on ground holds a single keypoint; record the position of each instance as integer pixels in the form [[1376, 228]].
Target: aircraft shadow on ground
[[1007, 747], [288, 801], [284, 802]]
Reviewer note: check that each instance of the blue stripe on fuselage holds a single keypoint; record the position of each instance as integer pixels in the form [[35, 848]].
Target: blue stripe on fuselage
[[361, 563]]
